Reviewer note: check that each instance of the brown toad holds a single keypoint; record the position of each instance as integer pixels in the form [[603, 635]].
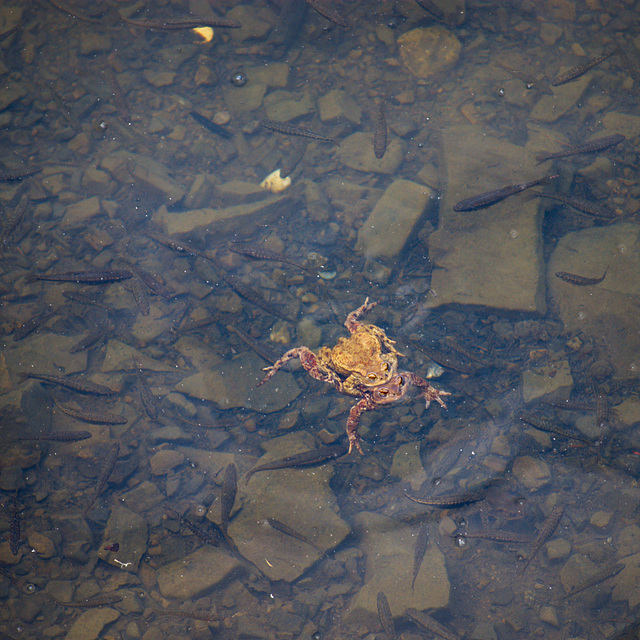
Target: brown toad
[[358, 366]]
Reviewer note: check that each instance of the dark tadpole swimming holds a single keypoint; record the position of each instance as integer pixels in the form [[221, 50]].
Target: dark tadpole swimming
[[488, 198]]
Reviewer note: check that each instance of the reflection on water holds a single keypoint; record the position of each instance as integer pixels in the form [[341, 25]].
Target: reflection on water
[[150, 488]]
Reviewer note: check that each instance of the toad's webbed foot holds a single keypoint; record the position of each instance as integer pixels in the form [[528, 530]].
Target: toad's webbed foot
[[308, 360], [428, 391], [352, 423], [352, 321], [292, 354]]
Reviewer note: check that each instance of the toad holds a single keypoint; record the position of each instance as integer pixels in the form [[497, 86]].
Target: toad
[[358, 366]]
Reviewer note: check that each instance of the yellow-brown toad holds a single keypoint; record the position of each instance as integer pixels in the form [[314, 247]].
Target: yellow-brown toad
[[358, 366], [360, 359]]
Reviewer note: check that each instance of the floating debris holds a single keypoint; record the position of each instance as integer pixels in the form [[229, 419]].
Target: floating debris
[[275, 183]]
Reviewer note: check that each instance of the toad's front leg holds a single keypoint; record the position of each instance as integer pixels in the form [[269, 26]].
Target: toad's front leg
[[308, 360], [365, 404], [352, 321], [427, 390]]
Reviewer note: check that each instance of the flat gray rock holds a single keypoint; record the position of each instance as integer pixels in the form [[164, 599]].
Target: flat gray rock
[[196, 574], [298, 498], [233, 385], [608, 311], [356, 152], [490, 257], [550, 108], [393, 219], [388, 547], [90, 624], [129, 531], [201, 219], [44, 353]]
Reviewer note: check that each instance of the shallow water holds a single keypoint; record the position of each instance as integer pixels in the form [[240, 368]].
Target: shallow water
[[105, 168]]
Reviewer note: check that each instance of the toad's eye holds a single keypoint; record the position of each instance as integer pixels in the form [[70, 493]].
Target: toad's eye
[[385, 366], [383, 392], [400, 380], [372, 376]]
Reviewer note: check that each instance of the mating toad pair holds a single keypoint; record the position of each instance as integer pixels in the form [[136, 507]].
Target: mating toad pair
[[364, 365]]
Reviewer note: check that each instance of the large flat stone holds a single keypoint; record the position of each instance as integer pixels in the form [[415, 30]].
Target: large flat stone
[[233, 385], [356, 152], [491, 257], [607, 312], [303, 501], [388, 547], [242, 216], [90, 624], [196, 573], [393, 219]]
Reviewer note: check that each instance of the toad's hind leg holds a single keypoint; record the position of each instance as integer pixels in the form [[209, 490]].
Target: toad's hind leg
[[428, 391], [307, 359], [352, 321], [365, 404]]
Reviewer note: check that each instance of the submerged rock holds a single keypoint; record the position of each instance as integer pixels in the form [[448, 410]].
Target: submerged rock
[[493, 256], [393, 219], [196, 573], [541, 381], [129, 531], [426, 52], [238, 216], [388, 547], [551, 108], [356, 152], [338, 104], [298, 498], [233, 385], [90, 624], [607, 312]]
